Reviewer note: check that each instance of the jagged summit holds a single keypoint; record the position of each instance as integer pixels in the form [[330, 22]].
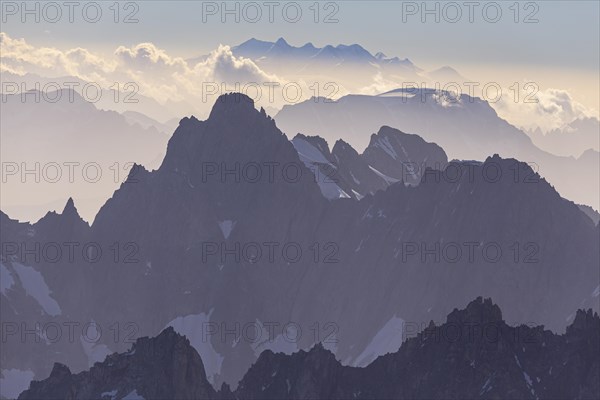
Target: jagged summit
[[70, 208], [526, 362], [317, 141], [479, 310], [584, 319], [165, 366], [59, 371], [67, 220], [341, 144]]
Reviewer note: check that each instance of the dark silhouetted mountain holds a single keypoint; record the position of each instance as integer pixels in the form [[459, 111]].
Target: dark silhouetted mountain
[[392, 156], [164, 367], [402, 156], [467, 128], [473, 354], [590, 212], [382, 263]]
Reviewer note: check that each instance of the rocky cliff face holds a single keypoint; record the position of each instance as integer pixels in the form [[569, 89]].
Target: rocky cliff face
[[164, 367], [392, 156], [188, 246], [474, 354], [466, 127]]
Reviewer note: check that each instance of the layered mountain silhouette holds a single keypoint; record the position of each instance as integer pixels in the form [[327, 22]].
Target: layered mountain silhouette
[[466, 127], [392, 156], [199, 242], [52, 150], [121, 97], [332, 70], [281, 57], [473, 354], [574, 139]]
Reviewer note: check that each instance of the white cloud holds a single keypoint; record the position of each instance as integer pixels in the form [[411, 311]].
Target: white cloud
[[545, 109], [21, 57], [156, 73], [164, 77], [379, 85]]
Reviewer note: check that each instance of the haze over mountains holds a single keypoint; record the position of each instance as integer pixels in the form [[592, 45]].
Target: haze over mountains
[[69, 148], [341, 64], [404, 253], [466, 128], [382, 200], [455, 124], [576, 138], [166, 86]]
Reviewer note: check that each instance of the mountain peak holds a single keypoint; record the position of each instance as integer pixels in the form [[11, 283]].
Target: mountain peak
[[59, 371], [281, 42], [584, 320], [70, 207], [231, 102], [479, 310]]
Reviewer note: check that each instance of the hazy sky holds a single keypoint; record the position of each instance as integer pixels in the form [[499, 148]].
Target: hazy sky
[[555, 43]]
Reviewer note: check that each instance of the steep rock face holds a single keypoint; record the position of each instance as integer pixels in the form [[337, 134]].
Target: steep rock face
[[474, 354], [366, 263], [392, 156], [467, 128], [68, 223], [356, 171], [166, 366], [403, 156], [590, 212], [313, 374]]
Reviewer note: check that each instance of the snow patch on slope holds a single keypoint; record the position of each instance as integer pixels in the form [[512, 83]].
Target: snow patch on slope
[[385, 145], [6, 279], [388, 179], [35, 286], [226, 227], [133, 396], [311, 157], [308, 153], [14, 381], [387, 340], [95, 352], [280, 344], [194, 328]]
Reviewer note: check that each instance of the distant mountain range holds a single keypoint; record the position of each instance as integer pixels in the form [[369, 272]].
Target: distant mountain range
[[467, 128], [71, 149], [125, 98], [473, 354], [306, 56], [340, 58], [184, 246], [346, 68], [576, 138]]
